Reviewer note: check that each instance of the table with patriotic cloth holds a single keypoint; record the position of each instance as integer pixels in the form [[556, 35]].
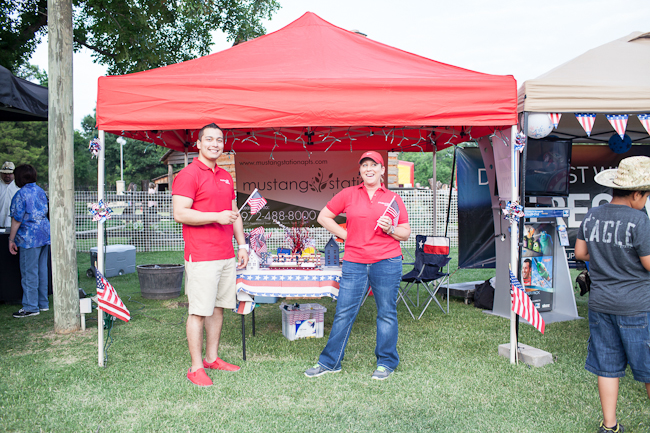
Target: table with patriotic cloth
[[284, 283], [288, 283]]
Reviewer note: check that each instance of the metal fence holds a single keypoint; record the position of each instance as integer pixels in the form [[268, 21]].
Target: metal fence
[[146, 220]]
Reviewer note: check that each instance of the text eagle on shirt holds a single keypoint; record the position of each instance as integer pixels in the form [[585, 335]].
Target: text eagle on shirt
[[608, 232]]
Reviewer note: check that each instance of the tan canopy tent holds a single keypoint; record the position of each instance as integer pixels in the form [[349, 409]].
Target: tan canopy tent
[[613, 78]]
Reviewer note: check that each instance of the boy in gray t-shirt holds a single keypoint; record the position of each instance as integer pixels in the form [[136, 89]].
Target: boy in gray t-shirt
[[615, 239]]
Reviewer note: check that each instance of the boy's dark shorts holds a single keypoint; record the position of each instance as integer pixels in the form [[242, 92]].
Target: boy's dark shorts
[[616, 341]]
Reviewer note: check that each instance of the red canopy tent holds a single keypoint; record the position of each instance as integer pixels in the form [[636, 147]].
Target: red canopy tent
[[309, 85]]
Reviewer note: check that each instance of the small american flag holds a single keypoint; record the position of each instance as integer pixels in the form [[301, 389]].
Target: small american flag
[[258, 244], [618, 122], [257, 231], [586, 120], [256, 202], [393, 211], [522, 305], [109, 301]]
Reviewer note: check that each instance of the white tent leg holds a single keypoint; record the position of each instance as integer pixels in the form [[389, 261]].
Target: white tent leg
[[100, 245], [514, 237]]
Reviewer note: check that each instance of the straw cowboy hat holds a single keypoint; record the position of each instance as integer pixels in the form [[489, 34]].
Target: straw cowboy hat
[[632, 174], [7, 167]]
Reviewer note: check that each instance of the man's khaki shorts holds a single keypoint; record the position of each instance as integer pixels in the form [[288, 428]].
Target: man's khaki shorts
[[210, 284]]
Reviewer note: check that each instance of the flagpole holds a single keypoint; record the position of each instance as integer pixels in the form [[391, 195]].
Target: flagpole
[[513, 240], [249, 197], [385, 210], [99, 266]]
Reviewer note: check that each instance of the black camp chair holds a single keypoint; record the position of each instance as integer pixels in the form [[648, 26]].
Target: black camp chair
[[430, 269]]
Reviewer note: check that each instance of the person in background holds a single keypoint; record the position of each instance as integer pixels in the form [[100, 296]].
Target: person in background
[[152, 190], [615, 239], [30, 233], [373, 257], [7, 190], [204, 202]]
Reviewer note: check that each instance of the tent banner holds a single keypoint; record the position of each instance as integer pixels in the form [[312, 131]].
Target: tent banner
[[584, 192], [476, 241], [476, 247], [295, 185]]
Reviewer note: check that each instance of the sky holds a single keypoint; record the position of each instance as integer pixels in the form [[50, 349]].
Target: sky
[[522, 38]]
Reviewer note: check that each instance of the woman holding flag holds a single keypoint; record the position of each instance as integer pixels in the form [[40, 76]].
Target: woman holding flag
[[376, 223]]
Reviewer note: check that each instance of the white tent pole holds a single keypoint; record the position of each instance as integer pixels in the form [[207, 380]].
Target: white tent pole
[[514, 250], [100, 245]]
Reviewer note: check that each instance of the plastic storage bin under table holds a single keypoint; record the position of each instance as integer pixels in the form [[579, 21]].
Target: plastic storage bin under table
[[302, 320]]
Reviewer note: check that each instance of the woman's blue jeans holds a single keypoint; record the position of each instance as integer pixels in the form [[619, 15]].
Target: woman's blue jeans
[[384, 277], [33, 271]]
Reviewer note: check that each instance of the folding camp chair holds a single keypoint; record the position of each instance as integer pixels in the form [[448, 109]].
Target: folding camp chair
[[431, 259]]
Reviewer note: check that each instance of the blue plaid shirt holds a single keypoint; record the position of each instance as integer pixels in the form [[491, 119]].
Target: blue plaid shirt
[[29, 208]]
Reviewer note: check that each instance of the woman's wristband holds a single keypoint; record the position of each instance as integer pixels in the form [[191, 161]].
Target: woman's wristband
[[11, 240]]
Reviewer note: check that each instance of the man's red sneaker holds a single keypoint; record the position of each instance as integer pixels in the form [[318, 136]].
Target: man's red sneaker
[[220, 364], [199, 377]]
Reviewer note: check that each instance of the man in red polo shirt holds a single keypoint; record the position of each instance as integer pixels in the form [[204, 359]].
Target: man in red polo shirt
[[205, 203]]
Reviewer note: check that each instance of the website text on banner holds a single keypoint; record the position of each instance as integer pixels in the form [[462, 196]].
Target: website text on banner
[[295, 186]]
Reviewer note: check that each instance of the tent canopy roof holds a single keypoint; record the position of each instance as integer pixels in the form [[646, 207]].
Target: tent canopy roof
[[612, 78], [309, 74], [21, 100]]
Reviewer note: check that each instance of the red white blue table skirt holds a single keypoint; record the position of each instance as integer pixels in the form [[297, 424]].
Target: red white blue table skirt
[[288, 283]]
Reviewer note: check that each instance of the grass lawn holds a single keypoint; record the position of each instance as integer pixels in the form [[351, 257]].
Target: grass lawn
[[450, 378]]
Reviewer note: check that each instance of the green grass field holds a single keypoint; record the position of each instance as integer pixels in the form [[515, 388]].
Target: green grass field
[[450, 378]]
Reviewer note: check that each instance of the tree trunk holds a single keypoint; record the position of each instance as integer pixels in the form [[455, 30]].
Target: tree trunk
[[61, 163]]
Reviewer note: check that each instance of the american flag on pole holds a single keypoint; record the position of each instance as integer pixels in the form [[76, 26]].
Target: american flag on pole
[[393, 211], [555, 118], [256, 202], [645, 121], [108, 300], [586, 121], [618, 122], [522, 305]]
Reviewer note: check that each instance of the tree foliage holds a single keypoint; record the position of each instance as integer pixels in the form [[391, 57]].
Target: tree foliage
[[130, 36], [25, 143]]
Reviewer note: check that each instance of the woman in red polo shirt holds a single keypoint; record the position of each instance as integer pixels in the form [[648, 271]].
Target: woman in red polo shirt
[[373, 257]]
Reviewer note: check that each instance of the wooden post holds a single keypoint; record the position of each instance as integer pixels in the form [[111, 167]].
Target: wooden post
[[61, 167], [170, 177]]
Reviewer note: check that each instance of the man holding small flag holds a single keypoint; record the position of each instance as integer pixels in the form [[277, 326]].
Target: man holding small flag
[[205, 203]]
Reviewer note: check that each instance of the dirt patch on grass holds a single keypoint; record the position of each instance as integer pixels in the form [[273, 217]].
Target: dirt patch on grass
[[176, 304]]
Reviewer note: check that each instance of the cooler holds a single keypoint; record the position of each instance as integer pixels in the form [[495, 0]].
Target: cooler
[[119, 259]]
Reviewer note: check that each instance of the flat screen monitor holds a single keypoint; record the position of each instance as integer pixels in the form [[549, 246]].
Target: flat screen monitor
[[548, 164]]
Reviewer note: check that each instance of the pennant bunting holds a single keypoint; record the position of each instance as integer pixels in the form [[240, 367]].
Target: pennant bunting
[[555, 119], [618, 122], [586, 121], [645, 121], [523, 306]]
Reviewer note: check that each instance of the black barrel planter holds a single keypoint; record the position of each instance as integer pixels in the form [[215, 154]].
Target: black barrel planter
[[160, 281]]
